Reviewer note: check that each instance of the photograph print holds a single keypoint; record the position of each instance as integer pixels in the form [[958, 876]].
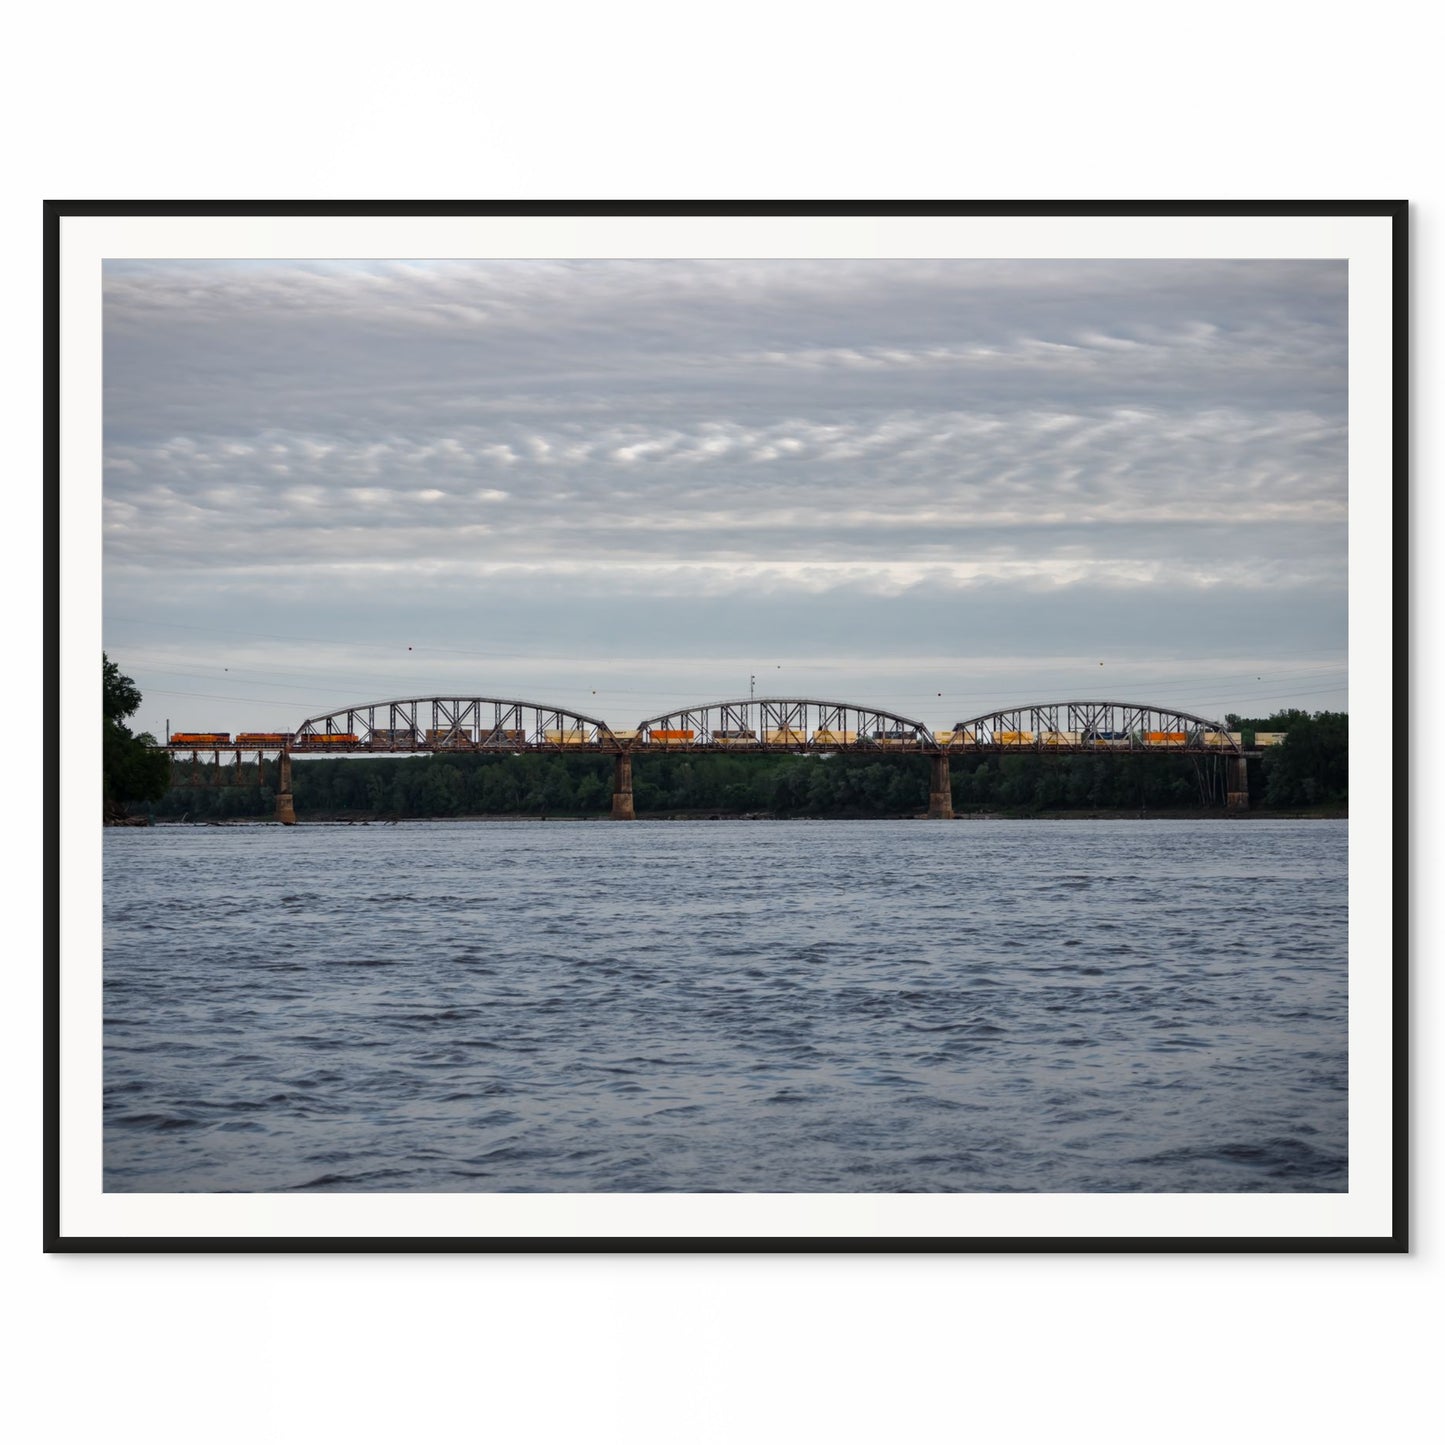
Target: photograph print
[[859, 736]]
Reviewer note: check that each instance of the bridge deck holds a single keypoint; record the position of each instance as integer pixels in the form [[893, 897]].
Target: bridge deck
[[743, 749]]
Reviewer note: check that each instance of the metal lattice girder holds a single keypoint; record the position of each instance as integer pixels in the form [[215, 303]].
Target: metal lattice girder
[[426, 723], [1064, 726], [787, 723]]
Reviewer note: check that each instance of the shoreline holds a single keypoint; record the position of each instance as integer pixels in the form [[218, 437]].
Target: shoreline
[[371, 820]]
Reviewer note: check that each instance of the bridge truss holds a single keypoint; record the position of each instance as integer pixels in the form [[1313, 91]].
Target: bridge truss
[[783, 724], [1091, 727], [406, 725]]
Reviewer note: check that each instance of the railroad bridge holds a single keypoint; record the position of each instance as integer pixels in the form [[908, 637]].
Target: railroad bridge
[[454, 724]]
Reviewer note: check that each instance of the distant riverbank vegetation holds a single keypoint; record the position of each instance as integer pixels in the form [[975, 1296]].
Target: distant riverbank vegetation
[[1308, 771], [130, 771]]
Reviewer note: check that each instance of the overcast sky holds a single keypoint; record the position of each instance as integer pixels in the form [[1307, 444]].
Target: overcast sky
[[938, 487]]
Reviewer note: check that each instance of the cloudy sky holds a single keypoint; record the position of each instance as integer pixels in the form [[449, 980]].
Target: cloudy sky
[[937, 487]]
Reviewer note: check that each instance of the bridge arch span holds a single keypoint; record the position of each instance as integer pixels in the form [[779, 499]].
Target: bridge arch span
[[786, 722], [456, 721], [1091, 724]]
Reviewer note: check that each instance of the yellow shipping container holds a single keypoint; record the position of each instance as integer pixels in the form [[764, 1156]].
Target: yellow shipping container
[[1268, 740], [1013, 739], [834, 737], [1058, 739], [943, 736], [568, 738], [788, 736], [623, 735]]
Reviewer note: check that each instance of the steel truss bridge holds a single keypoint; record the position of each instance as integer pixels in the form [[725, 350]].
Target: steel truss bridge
[[766, 724], [455, 724]]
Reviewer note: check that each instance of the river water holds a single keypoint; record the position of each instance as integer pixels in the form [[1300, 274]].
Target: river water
[[1149, 1006]]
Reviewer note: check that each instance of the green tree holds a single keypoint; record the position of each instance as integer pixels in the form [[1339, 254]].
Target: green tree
[[131, 772]]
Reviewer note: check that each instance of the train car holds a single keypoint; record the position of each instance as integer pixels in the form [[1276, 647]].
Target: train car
[[1268, 740], [1056, 738], [567, 737], [671, 735], [392, 738], [506, 737], [1220, 740], [448, 737], [329, 740], [264, 740], [785, 737], [734, 737], [621, 735], [892, 737], [1165, 739], [1103, 738], [1013, 739], [200, 740], [834, 737]]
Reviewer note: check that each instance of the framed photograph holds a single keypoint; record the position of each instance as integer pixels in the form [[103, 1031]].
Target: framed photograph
[[726, 726]]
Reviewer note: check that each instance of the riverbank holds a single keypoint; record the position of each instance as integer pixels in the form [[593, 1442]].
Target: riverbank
[[1152, 815]]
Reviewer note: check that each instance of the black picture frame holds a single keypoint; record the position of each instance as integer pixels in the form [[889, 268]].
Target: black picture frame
[[1393, 1239]]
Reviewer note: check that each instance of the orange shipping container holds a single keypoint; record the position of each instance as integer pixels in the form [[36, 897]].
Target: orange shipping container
[[672, 735]]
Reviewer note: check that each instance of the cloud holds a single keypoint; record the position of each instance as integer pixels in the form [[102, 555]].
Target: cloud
[[862, 443]]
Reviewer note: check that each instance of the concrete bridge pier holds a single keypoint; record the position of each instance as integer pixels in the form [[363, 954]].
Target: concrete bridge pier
[[285, 810], [940, 788], [622, 808], [1236, 786]]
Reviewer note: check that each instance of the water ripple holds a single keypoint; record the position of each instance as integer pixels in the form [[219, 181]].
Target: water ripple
[[707, 1007]]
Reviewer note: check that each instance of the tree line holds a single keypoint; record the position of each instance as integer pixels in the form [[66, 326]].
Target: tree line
[[131, 772], [1309, 769]]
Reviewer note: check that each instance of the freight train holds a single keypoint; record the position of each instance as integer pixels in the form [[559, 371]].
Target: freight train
[[390, 739], [1106, 738]]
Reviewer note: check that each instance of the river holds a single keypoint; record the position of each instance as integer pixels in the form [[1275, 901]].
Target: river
[[1155, 1006]]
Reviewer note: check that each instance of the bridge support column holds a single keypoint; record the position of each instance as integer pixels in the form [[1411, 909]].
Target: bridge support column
[[1236, 786], [940, 788], [622, 808], [285, 810]]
